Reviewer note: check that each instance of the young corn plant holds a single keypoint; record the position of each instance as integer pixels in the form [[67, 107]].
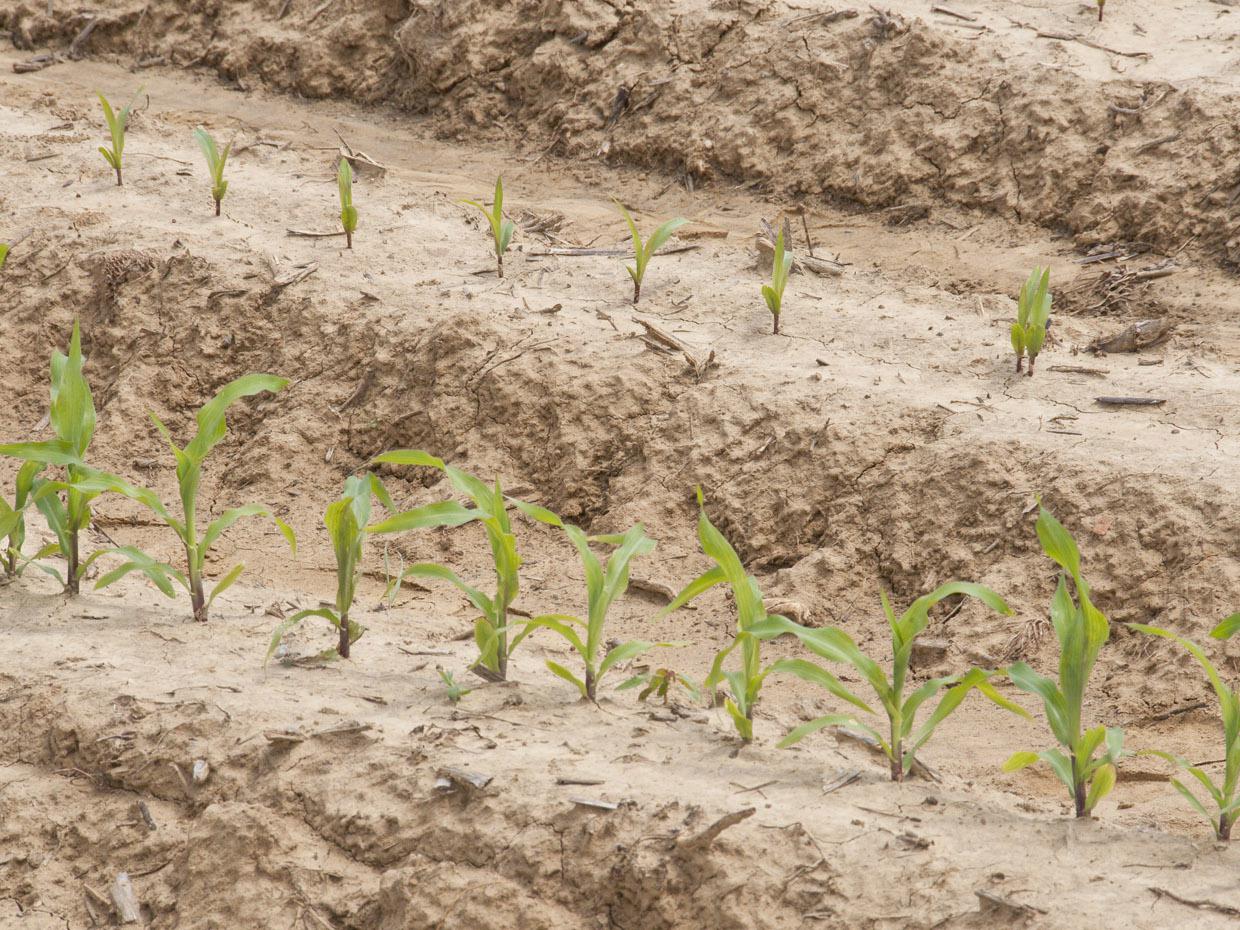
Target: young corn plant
[[490, 510], [773, 293], [4, 254], [212, 428], [348, 212], [118, 123], [901, 742], [64, 505], [659, 683], [604, 583], [644, 251], [1032, 317], [1225, 797], [346, 521], [453, 690], [216, 160], [745, 683], [1085, 760], [501, 229]]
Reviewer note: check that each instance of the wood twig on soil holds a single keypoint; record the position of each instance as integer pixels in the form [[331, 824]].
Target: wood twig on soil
[[1131, 401], [1068, 37], [37, 63], [1140, 335], [1199, 904], [946, 12], [710, 834], [1079, 370], [311, 234]]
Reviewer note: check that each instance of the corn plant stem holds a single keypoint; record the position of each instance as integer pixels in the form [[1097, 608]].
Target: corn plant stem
[[343, 647], [1079, 786], [776, 318], [348, 239], [590, 683], [897, 759], [499, 265], [72, 587], [217, 208], [637, 292], [1224, 827], [1020, 363], [120, 182]]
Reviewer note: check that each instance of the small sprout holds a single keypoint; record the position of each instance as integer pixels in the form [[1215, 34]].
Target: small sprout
[[1226, 798], [605, 581], [215, 164], [117, 124], [348, 212], [345, 520], [660, 682], [643, 252], [4, 254], [72, 418], [1032, 317], [212, 428], [454, 691], [490, 510], [1081, 629], [773, 293], [901, 708], [501, 229]]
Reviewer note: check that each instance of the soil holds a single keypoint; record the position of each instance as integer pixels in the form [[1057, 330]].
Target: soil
[[881, 442]]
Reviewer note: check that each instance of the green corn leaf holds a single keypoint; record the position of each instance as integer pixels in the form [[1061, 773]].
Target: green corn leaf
[[1100, 787], [212, 424], [796, 734], [225, 583], [1053, 701], [816, 674], [4, 253], [443, 513], [557, 623], [744, 726], [443, 573], [1058, 543], [287, 624], [561, 672], [628, 651], [699, 585], [1227, 628], [161, 574]]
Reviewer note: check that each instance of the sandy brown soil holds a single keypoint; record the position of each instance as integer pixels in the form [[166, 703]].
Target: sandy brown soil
[[882, 441]]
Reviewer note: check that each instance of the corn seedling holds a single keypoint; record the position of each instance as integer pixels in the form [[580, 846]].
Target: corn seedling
[[13, 521], [745, 684], [902, 741], [501, 229], [348, 212], [1082, 630], [72, 417], [1225, 797], [4, 254], [216, 160], [659, 683], [118, 123], [212, 428], [644, 251], [773, 293], [604, 583], [490, 510], [453, 690], [1032, 317], [346, 521]]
